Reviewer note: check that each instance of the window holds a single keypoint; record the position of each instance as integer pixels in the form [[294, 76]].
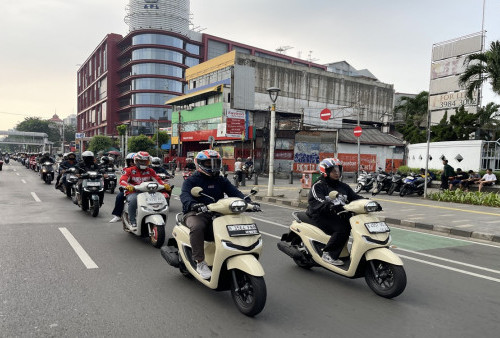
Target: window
[[193, 49], [151, 98], [104, 111], [157, 39], [157, 69], [190, 62], [157, 84], [157, 54]]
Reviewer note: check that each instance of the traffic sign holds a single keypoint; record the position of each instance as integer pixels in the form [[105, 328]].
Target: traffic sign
[[358, 131], [325, 114]]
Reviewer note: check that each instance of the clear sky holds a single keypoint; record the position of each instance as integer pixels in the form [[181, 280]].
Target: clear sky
[[43, 42]]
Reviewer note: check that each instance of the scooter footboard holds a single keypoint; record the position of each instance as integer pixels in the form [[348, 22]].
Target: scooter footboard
[[383, 254], [246, 263]]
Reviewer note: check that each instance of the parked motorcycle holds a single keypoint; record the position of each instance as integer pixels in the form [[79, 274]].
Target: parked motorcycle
[[152, 213], [91, 194], [47, 172], [110, 179], [383, 182], [369, 255], [248, 171], [6, 159], [71, 179], [414, 183], [365, 182], [397, 182], [232, 255]]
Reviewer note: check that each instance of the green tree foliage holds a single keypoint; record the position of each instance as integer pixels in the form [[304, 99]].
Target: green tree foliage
[[414, 109], [488, 125], [463, 124], [121, 129], [482, 67], [163, 138], [141, 143], [37, 125], [442, 131], [100, 143], [69, 133]]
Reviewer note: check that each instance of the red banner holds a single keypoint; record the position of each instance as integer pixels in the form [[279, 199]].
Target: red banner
[[283, 155], [388, 164], [202, 135], [350, 162], [301, 167]]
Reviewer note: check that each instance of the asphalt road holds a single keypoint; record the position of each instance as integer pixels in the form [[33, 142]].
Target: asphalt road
[[123, 287]]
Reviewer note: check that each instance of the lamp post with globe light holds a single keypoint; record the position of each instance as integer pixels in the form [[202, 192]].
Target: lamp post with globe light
[[273, 94]]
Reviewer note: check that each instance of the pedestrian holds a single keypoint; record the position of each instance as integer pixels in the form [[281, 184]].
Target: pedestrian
[[238, 170], [488, 179], [447, 173], [458, 178]]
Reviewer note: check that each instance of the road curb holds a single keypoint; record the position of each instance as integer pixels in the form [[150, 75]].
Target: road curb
[[438, 228]]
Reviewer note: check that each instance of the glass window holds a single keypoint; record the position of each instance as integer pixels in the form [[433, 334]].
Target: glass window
[[104, 111], [272, 57], [157, 39], [157, 69], [193, 49], [103, 89], [157, 54], [157, 84], [146, 113], [190, 62], [151, 98], [216, 48], [242, 50]]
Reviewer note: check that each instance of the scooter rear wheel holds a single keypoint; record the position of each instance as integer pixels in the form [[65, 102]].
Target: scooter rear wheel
[[249, 294], [389, 281], [391, 189], [403, 192], [359, 187]]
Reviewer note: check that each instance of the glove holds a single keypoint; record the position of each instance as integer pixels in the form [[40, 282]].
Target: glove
[[167, 187], [130, 188], [255, 206], [199, 207], [335, 209]]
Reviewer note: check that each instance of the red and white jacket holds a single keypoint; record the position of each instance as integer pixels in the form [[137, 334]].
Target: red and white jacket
[[135, 176]]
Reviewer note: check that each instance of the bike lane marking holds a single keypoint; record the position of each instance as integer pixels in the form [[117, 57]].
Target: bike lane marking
[[35, 197], [79, 250], [440, 207], [23, 181]]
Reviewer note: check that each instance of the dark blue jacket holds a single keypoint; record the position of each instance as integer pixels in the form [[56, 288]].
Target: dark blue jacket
[[160, 170], [212, 186]]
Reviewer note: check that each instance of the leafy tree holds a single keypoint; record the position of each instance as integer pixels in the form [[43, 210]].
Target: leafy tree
[[463, 124], [100, 143], [488, 125], [141, 143], [414, 109], [442, 131], [69, 133], [486, 69], [163, 138], [121, 129], [37, 125]]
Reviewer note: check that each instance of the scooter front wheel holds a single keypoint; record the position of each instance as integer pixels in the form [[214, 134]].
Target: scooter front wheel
[[359, 187], [249, 293], [95, 208], [158, 237], [391, 189], [385, 279]]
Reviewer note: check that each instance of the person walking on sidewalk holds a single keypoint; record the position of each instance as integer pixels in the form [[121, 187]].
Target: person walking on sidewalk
[[447, 173], [238, 171]]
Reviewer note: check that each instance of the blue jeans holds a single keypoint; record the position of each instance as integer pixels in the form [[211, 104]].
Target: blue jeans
[[119, 204], [132, 207]]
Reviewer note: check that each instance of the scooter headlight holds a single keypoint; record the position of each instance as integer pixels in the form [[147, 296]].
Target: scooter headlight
[[372, 206], [238, 206]]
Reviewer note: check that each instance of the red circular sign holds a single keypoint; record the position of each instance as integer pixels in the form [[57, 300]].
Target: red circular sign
[[325, 114], [358, 131]]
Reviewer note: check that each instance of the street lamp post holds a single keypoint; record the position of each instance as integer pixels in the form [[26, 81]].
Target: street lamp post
[[273, 94]]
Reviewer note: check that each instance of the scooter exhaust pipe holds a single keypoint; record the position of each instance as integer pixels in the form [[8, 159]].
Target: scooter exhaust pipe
[[290, 250]]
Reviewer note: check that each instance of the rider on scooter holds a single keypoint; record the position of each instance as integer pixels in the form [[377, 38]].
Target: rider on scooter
[[208, 163], [324, 211], [135, 175], [69, 162], [157, 167], [120, 197], [190, 164]]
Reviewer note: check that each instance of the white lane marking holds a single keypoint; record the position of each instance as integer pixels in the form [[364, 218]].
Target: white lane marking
[[89, 263], [15, 170], [445, 215], [461, 220], [492, 222], [452, 269], [23, 181], [464, 226], [35, 197], [17, 174], [412, 216], [415, 218], [274, 223], [268, 234], [448, 260], [408, 209]]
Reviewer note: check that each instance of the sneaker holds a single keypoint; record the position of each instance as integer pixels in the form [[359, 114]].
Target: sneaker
[[327, 258], [133, 225], [115, 219], [203, 269]]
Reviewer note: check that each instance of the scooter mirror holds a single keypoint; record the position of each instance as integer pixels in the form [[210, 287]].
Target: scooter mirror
[[333, 194], [196, 191], [254, 191]]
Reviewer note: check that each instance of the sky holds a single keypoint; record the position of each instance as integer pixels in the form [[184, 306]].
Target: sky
[[43, 42]]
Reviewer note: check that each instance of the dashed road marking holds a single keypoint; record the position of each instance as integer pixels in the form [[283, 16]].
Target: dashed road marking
[[35, 197], [80, 251], [460, 220], [17, 174], [23, 181]]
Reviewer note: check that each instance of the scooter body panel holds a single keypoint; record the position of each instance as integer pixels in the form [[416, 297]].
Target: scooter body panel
[[383, 254], [157, 212], [246, 263]]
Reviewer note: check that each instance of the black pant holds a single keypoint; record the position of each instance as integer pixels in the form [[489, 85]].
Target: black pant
[[444, 182], [200, 227], [339, 228]]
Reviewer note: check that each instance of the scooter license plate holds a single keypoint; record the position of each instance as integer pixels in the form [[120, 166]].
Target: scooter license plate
[[377, 227], [236, 230], [93, 184], [153, 199]]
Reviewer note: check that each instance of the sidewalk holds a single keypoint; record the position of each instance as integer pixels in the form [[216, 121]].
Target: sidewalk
[[464, 220]]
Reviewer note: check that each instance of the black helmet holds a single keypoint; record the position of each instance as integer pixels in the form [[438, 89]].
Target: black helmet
[[105, 160]]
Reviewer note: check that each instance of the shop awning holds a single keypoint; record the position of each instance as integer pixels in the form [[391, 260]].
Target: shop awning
[[194, 97]]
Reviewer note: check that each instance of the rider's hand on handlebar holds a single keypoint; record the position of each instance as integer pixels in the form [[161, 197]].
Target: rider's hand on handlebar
[[199, 207], [167, 187], [336, 208], [255, 206], [130, 188]]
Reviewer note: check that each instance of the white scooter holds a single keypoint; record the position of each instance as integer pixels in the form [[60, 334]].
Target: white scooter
[[152, 213], [233, 255], [369, 255]]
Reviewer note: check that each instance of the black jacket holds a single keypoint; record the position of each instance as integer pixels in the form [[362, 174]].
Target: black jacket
[[212, 186], [319, 206], [160, 170], [83, 168]]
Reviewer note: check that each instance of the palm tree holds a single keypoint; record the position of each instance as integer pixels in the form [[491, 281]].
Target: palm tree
[[487, 121], [414, 109], [487, 68]]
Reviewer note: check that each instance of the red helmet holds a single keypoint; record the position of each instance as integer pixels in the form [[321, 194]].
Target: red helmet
[[142, 160], [328, 164], [208, 162]]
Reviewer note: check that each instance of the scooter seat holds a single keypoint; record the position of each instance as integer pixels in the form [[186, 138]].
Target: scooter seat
[[302, 216]]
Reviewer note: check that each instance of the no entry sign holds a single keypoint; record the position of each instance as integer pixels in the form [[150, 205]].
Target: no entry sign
[[325, 114], [358, 131]]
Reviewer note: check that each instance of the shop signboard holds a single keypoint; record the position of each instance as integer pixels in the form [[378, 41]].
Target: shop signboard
[[235, 123]]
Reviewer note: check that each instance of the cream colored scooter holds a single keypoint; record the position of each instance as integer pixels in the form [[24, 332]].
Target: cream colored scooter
[[369, 255], [233, 255]]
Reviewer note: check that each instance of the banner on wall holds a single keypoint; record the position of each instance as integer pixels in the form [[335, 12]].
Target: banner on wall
[[350, 162]]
